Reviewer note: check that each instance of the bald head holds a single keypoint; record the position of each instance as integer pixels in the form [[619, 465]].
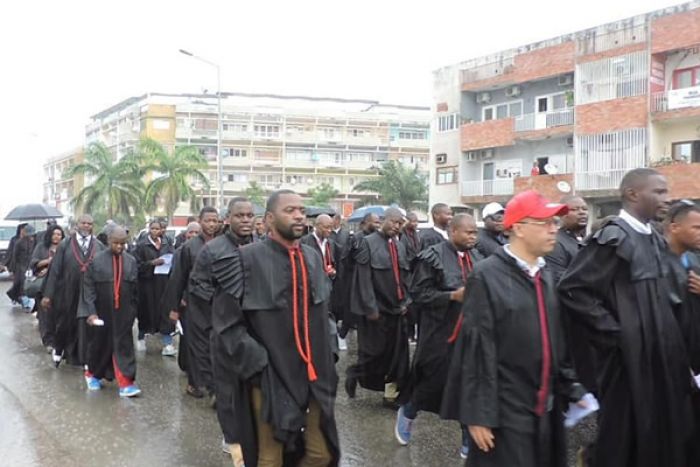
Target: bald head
[[463, 232], [323, 226]]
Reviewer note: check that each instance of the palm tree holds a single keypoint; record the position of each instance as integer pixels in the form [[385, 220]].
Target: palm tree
[[255, 193], [400, 184], [173, 174], [116, 186], [322, 194]]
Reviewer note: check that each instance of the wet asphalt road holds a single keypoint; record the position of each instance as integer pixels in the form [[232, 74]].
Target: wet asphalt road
[[47, 417]]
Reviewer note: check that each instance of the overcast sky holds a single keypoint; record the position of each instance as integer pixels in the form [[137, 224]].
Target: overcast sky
[[62, 61]]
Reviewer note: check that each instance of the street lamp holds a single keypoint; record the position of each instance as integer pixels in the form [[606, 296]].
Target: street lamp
[[219, 164]]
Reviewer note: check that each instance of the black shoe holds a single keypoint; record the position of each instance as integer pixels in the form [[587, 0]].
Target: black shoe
[[390, 403], [351, 386], [194, 392]]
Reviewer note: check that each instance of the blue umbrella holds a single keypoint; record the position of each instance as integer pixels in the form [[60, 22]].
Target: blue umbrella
[[358, 214]]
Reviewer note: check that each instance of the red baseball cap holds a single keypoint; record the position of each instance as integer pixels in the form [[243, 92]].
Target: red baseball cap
[[533, 205]]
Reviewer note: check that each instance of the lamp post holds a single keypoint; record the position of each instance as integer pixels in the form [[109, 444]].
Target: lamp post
[[219, 162]]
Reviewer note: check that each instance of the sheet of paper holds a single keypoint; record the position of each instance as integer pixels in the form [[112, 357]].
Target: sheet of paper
[[164, 269], [575, 413]]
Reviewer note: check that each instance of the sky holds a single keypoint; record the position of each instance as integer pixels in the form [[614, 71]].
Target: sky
[[61, 62]]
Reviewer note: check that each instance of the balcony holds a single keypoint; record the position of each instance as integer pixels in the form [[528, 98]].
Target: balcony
[[676, 99], [544, 120], [503, 186]]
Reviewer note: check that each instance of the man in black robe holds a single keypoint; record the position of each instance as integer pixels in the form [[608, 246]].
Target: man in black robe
[[202, 283], [380, 298], [509, 374], [195, 340], [108, 305], [411, 240], [683, 237], [320, 241], [491, 236], [617, 286], [181, 238], [151, 316], [270, 317], [340, 237], [438, 286], [64, 287], [21, 257], [442, 215], [569, 242]]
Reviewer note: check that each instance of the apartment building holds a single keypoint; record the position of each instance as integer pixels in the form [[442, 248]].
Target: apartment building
[[572, 114], [277, 141], [59, 190]]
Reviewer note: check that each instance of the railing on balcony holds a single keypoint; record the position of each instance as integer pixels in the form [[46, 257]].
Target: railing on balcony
[[502, 186], [675, 99], [543, 120]]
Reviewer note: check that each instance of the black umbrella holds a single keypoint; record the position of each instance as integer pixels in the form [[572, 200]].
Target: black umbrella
[[315, 211], [27, 212]]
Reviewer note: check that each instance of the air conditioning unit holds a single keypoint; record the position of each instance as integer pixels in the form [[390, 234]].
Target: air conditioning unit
[[472, 156], [483, 98], [487, 154], [513, 91], [570, 141], [441, 158], [566, 80]]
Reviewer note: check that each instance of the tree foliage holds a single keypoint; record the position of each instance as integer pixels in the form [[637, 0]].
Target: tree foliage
[[400, 184], [256, 194], [322, 194]]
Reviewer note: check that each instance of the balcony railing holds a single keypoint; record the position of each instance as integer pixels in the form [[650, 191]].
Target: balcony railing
[[502, 186], [675, 99], [543, 120]]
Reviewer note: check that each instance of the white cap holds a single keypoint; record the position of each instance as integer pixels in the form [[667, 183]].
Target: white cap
[[491, 209]]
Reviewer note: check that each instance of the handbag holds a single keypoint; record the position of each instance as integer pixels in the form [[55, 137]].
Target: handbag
[[33, 285]]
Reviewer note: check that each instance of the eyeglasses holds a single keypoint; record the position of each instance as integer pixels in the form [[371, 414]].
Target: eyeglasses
[[553, 222]]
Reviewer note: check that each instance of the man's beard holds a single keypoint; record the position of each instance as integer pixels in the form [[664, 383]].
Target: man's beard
[[287, 232]]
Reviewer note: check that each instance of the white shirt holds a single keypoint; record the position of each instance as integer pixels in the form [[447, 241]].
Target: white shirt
[[529, 269], [636, 224], [84, 242], [321, 245], [441, 232]]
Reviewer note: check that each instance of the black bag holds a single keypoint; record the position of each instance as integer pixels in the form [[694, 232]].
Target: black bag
[[33, 286]]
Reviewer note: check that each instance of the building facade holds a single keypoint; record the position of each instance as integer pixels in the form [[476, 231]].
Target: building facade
[[59, 190], [572, 114], [276, 141]]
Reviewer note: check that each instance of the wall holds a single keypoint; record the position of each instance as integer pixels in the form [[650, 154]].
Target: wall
[[494, 133], [675, 31], [665, 133], [679, 60], [611, 115], [546, 185], [682, 180]]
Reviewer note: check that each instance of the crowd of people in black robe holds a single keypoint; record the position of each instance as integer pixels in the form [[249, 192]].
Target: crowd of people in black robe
[[515, 323]]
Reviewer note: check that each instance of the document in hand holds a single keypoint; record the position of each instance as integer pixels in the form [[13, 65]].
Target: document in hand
[[164, 269], [576, 413]]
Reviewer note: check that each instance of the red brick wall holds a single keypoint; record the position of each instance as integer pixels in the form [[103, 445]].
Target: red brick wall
[[541, 63], [544, 133], [682, 180], [607, 116], [489, 134], [675, 31], [545, 184]]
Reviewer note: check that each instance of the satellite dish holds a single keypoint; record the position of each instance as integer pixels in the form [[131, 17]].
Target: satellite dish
[[551, 169], [564, 187]]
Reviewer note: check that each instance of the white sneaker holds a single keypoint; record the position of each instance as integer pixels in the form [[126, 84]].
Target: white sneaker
[[141, 345], [169, 351], [342, 344]]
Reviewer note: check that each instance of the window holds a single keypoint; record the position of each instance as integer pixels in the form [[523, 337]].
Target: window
[[329, 134], [269, 179], [499, 111], [612, 78], [267, 131], [235, 127], [448, 122], [208, 152], [357, 132], [446, 175], [295, 179], [266, 155], [686, 78], [412, 135], [234, 152], [298, 155], [688, 151], [358, 157], [238, 178]]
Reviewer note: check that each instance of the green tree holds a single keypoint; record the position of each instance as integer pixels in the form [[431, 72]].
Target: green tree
[[115, 188], [400, 184], [322, 194], [174, 174], [256, 194]]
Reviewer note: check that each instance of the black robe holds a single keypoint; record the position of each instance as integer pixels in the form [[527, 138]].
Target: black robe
[[178, 289], [618, 287], [382, 355], [113, 343], [64, 286], [201, 293], [254, 334], [430, 237], [412, 243], [438, 273], [47, 323], [496, 372], [152, 317], [22, 256], [489, 242]]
